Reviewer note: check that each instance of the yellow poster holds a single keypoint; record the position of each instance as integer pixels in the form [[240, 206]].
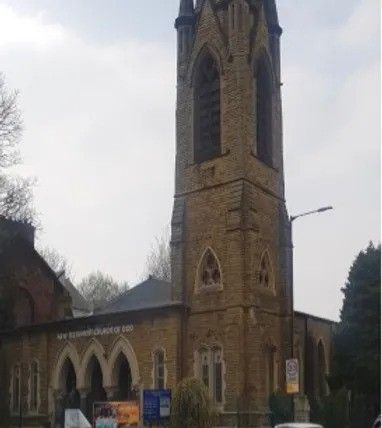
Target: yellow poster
[[116, 414]]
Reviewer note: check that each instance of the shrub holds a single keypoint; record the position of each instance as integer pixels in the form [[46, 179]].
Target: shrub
[[280, 406], [191, 406]]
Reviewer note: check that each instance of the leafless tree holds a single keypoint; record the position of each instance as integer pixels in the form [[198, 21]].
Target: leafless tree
[[99, 288], [56, 261], [158, 262], [15, 192]]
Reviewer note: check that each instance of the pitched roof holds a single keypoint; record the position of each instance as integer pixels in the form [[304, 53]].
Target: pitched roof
[[148, 294]]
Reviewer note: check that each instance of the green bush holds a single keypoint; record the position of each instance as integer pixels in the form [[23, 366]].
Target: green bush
[[280, 406], [331, 411], [191, 407]]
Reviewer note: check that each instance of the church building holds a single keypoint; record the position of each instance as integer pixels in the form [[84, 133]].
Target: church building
[[227, 316]]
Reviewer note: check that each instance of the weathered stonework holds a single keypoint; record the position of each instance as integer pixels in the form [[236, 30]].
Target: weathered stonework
[[233, 204], [230, 209]]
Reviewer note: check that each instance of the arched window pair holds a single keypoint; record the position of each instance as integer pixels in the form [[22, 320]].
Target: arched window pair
[[210, 372], [159, 370], [207, 120], [33, 393]]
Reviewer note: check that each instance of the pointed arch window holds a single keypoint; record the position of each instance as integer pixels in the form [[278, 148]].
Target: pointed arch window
[[210, 372], [159, 370], [207, 120], [209, 271], [264, 113], [34, 387], [16, 389], [322, 385], [271, 369], [266, 272]]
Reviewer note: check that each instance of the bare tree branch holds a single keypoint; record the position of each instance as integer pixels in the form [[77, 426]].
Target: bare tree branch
[[16, 199], [99, 288], [11, 126], [16, 193], [56, 261], [158, 262]]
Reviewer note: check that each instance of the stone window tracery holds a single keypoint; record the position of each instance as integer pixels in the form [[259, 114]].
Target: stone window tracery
[[209, 271], [265, 273], [210, 372], [207, 121]]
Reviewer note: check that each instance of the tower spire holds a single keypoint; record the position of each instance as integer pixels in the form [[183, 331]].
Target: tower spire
[[185, 25], [186, 8]]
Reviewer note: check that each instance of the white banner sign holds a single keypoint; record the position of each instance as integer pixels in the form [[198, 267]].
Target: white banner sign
[[98, 331], [75, 419]]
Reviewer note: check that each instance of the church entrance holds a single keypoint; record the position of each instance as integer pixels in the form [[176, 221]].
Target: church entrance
[[69, 397], [122, 376], [97, 392]]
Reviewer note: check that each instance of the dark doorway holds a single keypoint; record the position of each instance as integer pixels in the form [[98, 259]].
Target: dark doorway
[[124, 379], [97, 393], [72, 397]]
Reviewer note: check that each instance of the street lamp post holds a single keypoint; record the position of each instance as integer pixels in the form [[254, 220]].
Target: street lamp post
[[292, 219]]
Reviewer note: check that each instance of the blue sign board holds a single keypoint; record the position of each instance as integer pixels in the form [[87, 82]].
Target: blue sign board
[[156, 404]]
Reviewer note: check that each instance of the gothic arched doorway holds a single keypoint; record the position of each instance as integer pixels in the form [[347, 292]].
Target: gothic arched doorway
[[95, 382], [123, 379], [71, 395]]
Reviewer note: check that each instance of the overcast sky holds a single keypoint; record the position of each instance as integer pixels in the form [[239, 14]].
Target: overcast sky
[[97, 92]]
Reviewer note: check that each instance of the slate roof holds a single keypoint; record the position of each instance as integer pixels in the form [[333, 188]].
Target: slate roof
[[148, 294]]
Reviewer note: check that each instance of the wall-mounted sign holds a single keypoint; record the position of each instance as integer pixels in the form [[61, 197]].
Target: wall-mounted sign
[[292, 376], [97, 331], [156, 404], [116, 414]]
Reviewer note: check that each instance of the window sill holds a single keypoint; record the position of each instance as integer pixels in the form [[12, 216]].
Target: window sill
[[209, 289]]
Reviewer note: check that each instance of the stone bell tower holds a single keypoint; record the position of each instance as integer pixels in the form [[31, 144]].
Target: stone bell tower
[[230, 229]]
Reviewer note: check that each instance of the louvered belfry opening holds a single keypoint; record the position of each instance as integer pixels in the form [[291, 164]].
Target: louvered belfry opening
[[207, 120]]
